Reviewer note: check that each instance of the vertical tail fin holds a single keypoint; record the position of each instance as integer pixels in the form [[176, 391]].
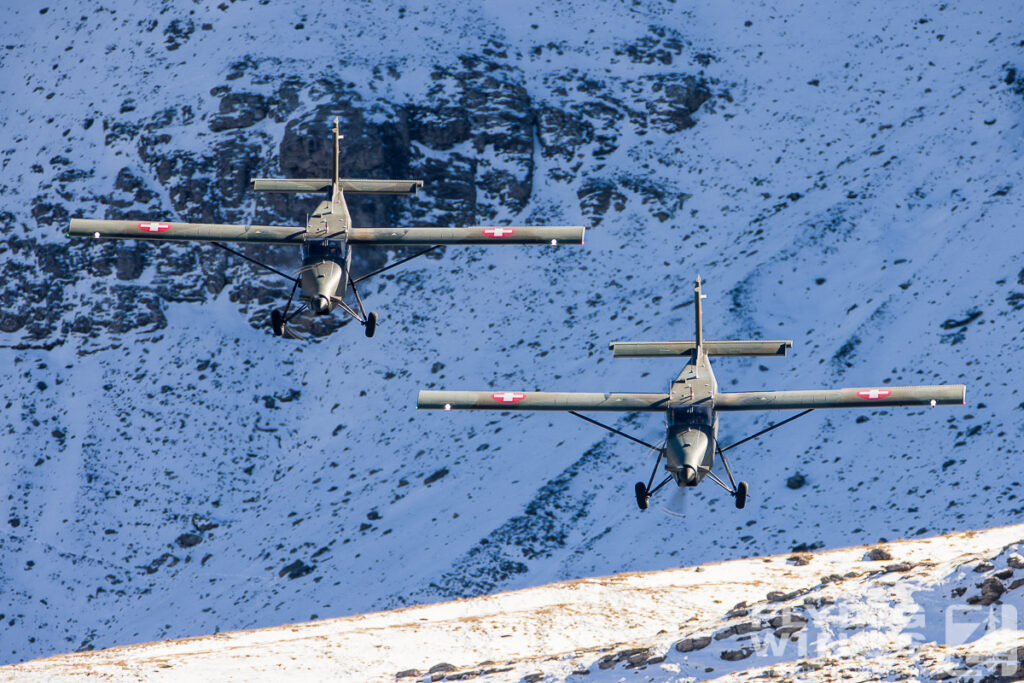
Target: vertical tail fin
[[697, 296], [337, 140]]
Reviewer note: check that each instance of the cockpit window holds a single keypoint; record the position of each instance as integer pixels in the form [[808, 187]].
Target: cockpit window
[[325, 249], [688, 414]]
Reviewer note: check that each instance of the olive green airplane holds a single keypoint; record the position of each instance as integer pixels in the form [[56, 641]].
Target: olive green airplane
[[693, 403], [326, 240]]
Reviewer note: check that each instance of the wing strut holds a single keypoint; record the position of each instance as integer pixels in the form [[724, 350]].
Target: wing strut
[[614, 431], [258, 263], [764, 431], [396, 263]]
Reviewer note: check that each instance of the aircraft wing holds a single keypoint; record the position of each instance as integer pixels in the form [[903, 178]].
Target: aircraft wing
[[539, 400], [167, 230], [865, 397], [563, 234]]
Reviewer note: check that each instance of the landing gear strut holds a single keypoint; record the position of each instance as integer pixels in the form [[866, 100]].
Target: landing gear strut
[[643, 491]]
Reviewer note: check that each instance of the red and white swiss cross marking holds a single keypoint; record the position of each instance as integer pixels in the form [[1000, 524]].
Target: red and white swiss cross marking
[[153, 226], [498, 232], [508, 396], [872, 394]]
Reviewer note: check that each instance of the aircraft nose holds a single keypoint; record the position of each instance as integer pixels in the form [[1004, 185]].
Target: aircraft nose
[[686, 452], [320, 305]]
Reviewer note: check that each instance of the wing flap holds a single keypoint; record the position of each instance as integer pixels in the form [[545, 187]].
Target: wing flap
[[166, 230], [539, 400], [564, 234], [864, 397]]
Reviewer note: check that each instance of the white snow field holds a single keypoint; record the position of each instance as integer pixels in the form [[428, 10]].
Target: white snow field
[[912, 610]]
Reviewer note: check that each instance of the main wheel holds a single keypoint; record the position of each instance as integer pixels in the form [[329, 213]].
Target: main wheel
[[741, 495], [642, 498], [277, 322], [371, 324]]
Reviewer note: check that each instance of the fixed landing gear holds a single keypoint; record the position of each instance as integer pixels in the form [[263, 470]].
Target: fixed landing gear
[[370, 326], [277, 322], [643, 498], [741, 495]]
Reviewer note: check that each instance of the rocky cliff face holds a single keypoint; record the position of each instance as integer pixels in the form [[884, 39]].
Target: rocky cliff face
[[473, 137], [849, 182]]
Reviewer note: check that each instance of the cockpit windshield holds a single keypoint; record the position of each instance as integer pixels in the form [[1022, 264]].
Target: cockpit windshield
[[322, 249], [691, 415]]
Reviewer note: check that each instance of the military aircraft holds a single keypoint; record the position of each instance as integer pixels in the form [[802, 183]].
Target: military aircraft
[[326, 240], [693, 403]]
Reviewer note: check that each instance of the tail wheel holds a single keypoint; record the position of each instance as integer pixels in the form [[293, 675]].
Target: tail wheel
[[741, 495], [642, 497], [277, 322], [370, 326]]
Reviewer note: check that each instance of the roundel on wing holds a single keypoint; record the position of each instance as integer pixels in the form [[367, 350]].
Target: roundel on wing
[[498, 232], [153, 226], [873, 394], [508, 396]]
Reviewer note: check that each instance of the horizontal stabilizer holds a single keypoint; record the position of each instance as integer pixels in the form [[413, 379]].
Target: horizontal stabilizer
[[292, 185], [349, 185], [539, 400], [867, 397], [567, 234], [713, 348], [166, 230], [369, 186]]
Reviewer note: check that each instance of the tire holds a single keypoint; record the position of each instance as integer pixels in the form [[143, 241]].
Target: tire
[[741, 495], [641, 495], [371, 324], [277, 322]]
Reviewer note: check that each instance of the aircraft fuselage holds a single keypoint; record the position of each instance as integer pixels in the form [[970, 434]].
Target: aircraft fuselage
[[326, 256], [691, 422]]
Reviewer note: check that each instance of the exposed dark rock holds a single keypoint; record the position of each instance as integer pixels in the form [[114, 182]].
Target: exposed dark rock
[[562, 133], [239, 110], [154, 566], [188, 540], [443, 667], [439, 474], [796, 481], [408, 673], [296, 570], [439, 128], [691, 644], [679, 100], [737, 655], [991, 589], [878, 555], [177, 33]]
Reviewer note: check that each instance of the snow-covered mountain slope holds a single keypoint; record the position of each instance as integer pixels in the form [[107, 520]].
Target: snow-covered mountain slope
[[844, 174], [932, 609]]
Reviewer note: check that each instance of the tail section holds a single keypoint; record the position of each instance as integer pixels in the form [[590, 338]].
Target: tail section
[[718, 347], [337, 152], [336, 184], [697, 296]]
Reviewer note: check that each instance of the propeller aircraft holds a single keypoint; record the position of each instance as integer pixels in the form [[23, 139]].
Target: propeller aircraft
[[326, 240], [693, 403]]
